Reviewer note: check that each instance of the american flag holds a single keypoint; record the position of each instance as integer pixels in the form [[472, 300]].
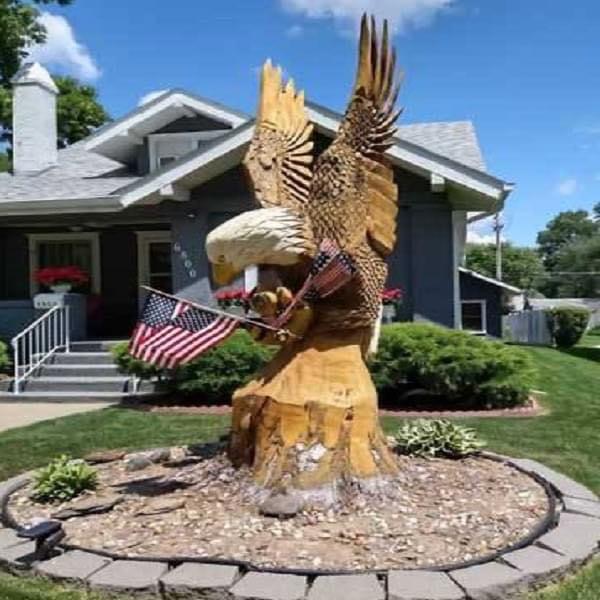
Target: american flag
[[157, 313], [331, 269], [186, 336]]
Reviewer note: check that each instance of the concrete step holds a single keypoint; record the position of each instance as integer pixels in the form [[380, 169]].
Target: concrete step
[[82, 358], [82, 385], [94, 345], [74, 370]]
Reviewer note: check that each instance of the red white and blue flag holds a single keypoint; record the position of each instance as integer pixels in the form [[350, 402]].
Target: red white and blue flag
[[185, 335]]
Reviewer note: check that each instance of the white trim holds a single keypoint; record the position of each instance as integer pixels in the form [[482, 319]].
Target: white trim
[[173, 99], [483, 304], [92, 236], [144, 239], [509, 288], [405, 154]]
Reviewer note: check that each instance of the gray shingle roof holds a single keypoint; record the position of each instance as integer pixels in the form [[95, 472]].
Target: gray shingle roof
[[78, 174], [455, 139]]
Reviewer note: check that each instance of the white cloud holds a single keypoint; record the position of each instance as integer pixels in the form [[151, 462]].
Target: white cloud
[[400, 13], [150, 96], [295, 31], [61, 49], [474, 237], [482, 231], [567, 187]]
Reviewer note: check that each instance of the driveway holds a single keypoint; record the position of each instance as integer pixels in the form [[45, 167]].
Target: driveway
[[19, 414]]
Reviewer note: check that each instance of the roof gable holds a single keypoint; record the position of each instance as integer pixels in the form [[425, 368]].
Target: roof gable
[[119, 139]]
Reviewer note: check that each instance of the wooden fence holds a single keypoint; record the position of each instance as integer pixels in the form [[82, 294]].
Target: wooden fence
[[527, 327]]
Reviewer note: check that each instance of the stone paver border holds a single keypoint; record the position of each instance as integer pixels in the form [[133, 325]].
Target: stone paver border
[[573, 540]]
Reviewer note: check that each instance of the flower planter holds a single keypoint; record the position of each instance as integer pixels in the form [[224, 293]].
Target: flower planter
[[388, 314], [61, 288]]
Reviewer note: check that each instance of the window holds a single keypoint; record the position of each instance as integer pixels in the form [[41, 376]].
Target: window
[[63, 250], [474, 316], [165, 160]]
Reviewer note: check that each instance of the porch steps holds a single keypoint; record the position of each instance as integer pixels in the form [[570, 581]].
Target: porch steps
[[86, 374]]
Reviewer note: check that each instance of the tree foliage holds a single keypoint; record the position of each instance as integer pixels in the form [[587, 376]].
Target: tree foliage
[[580, 256], [521, 266], [564, 229]]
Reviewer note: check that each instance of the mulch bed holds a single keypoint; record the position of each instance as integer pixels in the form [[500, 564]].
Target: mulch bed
[[436, 512]]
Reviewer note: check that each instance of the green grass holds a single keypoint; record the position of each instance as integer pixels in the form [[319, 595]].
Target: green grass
[[568, 439]]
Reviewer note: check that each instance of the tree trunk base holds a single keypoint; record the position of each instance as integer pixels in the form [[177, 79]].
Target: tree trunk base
[[309, 420]]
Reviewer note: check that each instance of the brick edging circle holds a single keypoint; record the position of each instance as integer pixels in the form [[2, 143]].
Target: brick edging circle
[[574, 540]]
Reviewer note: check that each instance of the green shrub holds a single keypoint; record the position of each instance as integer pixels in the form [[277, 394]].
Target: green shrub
[[594, 330], [218, 373], [567, 324], [462, 368], [63, 479], [429, 438], [213, 376], [4, 357]]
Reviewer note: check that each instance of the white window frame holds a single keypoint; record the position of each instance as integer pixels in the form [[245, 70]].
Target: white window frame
[[91, 236], [483, 304], [193, 136], [144, 239]]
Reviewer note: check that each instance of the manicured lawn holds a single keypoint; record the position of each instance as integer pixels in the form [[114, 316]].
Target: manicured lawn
[[568, 439]]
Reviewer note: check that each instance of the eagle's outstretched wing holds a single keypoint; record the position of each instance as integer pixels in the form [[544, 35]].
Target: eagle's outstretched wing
[[353, 193], [280, 154]]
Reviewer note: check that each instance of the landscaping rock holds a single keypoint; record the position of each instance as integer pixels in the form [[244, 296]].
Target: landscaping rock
[[282, 506], [193, 580], [346, 587], [73, 566], [137, 462], [159, 455], [93, 505], [104, 456], [158, 506], [490, 581], [422, 585], [130, 577], [270, 586]]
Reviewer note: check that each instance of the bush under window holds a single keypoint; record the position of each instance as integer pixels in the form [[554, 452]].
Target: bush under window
[[567, 324], [461, 369], [4, 358]]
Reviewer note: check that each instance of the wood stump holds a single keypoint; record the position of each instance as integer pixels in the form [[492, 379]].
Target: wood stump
[[309, 419]]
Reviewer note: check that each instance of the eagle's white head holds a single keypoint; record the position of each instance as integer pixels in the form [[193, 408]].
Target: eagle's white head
[[266, 236]]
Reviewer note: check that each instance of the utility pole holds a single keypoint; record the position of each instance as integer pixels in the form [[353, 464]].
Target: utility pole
[[498, 227]]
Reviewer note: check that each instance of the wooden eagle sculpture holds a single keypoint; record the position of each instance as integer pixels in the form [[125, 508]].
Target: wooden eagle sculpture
[[309, 420]]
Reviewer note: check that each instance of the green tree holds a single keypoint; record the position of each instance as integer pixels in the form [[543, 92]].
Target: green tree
[[78, 108], [564, 229], [521, 266], [19, 29], [596, 212], [581, 255], [4, 162]]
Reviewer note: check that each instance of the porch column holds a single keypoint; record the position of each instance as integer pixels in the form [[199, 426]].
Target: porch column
[[190, 263]]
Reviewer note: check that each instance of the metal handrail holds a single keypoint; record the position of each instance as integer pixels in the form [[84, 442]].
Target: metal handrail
[[38, 342]]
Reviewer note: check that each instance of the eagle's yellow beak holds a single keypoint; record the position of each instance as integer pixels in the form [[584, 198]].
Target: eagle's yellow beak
[[224, 273]]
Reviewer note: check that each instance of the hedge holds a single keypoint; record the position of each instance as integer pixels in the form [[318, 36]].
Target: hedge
[[4, 357], [463, 369], [567, 324]]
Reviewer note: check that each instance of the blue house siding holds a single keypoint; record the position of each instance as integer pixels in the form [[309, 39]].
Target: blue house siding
[[472, 288]]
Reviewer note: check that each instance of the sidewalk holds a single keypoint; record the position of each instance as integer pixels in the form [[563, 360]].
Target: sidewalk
[[19, 414]]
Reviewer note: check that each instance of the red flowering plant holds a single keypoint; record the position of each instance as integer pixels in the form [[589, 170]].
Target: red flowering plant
[[391, 296], [237, 297], [71, 275]]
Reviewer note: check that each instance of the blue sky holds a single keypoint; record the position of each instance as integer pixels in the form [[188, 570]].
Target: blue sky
[[526, 72]]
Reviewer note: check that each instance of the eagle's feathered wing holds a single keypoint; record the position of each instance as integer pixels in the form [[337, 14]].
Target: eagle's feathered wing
[[350, 197]]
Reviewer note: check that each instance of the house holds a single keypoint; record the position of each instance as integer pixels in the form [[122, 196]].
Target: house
[[483, 302], [133, 202]]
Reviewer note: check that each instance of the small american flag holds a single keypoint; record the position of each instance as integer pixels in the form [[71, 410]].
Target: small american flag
[[331, 269], [157, 313], [187, 336]]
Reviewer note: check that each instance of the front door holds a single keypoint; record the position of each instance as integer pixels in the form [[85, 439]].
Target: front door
[[154, 262]]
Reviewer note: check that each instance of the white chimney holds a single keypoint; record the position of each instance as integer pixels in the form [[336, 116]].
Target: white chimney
[[34, 119]]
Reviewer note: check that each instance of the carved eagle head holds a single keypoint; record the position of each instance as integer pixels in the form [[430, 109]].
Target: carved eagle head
[[266, 236]]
